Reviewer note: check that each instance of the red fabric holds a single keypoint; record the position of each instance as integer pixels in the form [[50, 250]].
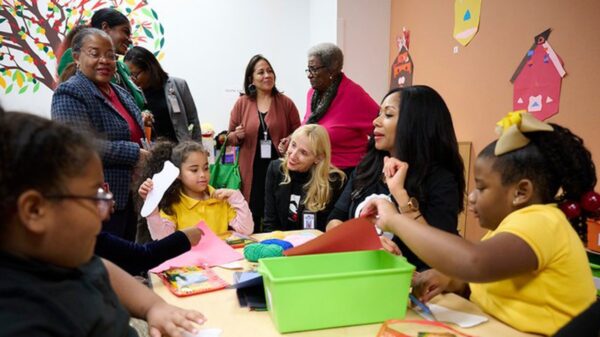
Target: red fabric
[[134, 129], [349, 122]]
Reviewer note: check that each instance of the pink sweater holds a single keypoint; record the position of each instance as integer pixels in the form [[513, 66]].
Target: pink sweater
[[349, 122]]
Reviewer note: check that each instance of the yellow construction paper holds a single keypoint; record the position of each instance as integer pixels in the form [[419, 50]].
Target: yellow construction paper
[[466, 20]]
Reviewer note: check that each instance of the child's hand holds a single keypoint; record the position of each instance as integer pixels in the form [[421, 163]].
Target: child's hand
[[194, 234], [223, 193], [145, 188], [430, 283], [390, 246], [394, 171], [165, 319], [378, 211]]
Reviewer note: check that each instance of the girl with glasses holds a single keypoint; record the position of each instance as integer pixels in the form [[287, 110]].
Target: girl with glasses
[[50, 217]]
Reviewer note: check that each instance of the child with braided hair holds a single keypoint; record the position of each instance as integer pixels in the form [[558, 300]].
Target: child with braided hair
[[530, 270]]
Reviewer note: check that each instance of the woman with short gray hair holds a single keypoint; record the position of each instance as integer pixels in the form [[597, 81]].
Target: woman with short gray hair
[[338, 104]]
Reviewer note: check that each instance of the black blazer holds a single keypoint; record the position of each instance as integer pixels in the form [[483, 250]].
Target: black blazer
[[277, 201]]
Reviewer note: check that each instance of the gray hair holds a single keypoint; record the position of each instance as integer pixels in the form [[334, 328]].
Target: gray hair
[[83, 35], [330, 55]]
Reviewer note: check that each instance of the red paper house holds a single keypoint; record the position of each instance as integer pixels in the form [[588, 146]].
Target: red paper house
[[537, 80]]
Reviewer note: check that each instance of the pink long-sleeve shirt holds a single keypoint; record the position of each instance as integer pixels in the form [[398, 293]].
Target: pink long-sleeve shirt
[[349, 122]]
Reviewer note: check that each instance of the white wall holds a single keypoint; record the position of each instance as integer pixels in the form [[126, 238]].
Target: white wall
[[363, 34], [210, 42]]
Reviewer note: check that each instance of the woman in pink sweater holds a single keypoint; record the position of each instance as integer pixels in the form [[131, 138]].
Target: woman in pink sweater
[[338, 104]]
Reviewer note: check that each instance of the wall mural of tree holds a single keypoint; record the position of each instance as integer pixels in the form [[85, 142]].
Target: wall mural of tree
[[31, 32]]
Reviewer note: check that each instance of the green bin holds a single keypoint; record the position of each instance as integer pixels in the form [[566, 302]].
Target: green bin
[[329, 290], [596, 274]]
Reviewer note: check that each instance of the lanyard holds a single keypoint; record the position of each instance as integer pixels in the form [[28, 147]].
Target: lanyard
[[263, 124]]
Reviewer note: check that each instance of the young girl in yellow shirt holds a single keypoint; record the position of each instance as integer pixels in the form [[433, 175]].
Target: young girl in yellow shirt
[[530, 271], [190, 199]]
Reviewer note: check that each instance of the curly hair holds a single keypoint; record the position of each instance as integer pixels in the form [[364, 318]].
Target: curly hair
[[558, 164], [177, 154]]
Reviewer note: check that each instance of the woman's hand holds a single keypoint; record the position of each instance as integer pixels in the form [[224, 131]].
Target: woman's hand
[[430, 283], [395, 172], [223, 193], [283, 145], [239, 132], [165, 319], [390, 245], [145, 188], [147, 118], [194, 234]]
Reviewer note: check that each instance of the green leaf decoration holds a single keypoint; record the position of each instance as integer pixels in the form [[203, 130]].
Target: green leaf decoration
[[156, 42], [128, 10], [162, 30], [148, 33], [2, 20], [162, 42], [36, 87], [146, 12], [154, 14], [9, 89], [23, 89]]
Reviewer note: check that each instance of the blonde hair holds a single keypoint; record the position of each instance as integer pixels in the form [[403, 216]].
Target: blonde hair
[[318, 188]]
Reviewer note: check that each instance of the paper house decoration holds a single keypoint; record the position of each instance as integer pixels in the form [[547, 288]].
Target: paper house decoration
[[537, 80], [402, 68]]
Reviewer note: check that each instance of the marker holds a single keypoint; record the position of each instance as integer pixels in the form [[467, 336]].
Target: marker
[[424, 308]]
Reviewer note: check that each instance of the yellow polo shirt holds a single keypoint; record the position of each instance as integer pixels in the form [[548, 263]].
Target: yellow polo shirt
[[560, 288], [215, 213]]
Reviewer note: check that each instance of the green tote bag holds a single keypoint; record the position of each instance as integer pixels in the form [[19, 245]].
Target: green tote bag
[[225, 175]]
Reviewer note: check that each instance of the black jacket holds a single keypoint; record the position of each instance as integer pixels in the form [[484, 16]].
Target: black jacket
[[277, 200]]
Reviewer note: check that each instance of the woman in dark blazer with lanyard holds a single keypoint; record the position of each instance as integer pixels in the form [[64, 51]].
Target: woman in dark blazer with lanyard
[[169, 98], [302, 187], [88, 100], [260, 118]]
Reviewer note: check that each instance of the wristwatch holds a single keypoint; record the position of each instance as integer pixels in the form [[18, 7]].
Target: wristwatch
[[411, 206]]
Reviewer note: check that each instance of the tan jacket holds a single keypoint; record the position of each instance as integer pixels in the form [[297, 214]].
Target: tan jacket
[[282, 119]]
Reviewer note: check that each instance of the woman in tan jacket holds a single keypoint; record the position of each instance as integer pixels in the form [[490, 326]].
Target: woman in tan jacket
[[260, 119]]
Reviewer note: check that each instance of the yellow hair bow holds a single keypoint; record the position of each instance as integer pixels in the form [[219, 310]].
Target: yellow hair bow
[[512, 127]]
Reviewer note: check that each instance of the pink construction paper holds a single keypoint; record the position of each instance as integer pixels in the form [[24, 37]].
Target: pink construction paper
[[211, 251]]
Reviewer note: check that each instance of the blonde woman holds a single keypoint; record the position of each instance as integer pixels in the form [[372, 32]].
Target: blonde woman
[[301, 188]]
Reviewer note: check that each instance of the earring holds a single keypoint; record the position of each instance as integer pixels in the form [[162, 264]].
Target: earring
[[251, 88]]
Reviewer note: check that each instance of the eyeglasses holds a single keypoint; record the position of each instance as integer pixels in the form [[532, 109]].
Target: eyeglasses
[[103, 199], [135, 76], [313, 70], [109, 56]]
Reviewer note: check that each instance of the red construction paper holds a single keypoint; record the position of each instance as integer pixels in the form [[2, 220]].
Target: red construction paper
[[353, 235]]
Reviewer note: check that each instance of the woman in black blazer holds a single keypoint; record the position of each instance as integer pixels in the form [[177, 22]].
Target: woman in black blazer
[[301, 188]]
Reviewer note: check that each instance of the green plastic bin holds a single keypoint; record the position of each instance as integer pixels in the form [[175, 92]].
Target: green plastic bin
[[596, 274], [329, 290]]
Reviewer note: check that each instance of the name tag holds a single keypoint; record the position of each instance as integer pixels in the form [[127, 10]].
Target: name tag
[[308, 220], [265, 149], [174, 103]]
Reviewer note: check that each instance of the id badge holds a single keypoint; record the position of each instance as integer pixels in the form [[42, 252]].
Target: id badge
[[308, 220], [265, 149], [174, 103]]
